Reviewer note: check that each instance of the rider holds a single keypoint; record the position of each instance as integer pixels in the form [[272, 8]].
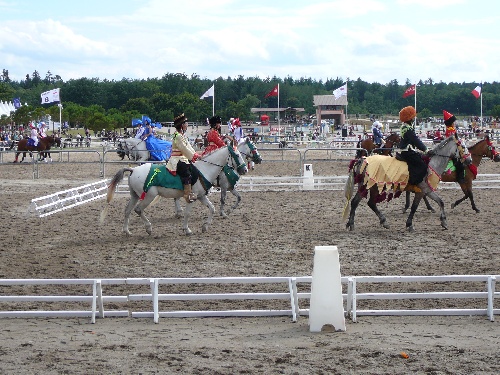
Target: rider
[[159, 150], [214, 138], [449, 122], [34, 133], [377, 134], [237, 130], [417, 168], [140, 130], [42, 129], [182, 154]]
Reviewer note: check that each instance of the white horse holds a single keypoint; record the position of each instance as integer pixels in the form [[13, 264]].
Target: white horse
[[251, 154], [209, 168], [135, 148]]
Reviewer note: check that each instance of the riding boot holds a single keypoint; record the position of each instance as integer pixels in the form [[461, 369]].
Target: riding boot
[[460, 170], [189, 196]]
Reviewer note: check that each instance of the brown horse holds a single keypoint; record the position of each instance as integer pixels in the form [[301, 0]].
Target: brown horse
[[369, 147], [483, 148], [44, 145]]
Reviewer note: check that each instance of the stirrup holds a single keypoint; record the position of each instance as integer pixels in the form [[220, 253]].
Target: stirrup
[[190, 198]]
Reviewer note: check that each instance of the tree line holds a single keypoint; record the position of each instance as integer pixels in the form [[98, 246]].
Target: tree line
[[110, 104]]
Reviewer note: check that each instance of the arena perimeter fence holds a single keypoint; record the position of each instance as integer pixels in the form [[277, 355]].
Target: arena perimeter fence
[[92, 303], [294, 290]]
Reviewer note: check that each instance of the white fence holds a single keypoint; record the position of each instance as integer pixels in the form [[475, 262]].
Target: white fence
[[295, 290]]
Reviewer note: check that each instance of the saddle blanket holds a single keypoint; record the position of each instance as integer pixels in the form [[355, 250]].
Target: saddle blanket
[[391, 174], [160, 176]]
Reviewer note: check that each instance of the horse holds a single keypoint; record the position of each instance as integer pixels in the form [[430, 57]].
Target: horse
[[248, 150], [134, 148], [23, 146], [369, 147], [370, 176], [483, 148], [208, 167], [46, 154]]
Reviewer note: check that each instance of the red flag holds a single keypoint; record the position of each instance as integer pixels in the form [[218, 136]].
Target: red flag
[[409, 91], [273, 92], [477, 92]]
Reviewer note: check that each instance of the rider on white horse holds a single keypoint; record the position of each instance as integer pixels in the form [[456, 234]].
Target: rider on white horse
[[182, 154], [214, 138], [140, 130]]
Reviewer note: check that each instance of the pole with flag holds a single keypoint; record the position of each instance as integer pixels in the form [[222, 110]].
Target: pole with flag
[[339, 92], [478, 95], [276, 92], [412, 90], [51, 97], [210, 93]]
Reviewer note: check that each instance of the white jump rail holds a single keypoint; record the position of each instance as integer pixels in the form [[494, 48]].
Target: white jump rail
[[488, 294], [290, 293], [95, 300], [66, 199]]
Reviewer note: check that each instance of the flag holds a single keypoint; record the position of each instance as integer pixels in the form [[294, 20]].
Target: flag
[[209, 92], [273, 92], [50, 96], [341, 91], [409, 91], [17, 102], [477, 92]]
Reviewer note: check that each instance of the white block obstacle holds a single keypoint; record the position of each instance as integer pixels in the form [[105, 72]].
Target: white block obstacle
[[326, 305], [308, 177]]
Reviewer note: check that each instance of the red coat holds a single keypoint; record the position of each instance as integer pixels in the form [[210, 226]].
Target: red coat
[[450, 130], [214, 141]]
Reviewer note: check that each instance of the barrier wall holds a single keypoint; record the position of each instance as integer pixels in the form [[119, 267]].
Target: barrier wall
[[295, 291]]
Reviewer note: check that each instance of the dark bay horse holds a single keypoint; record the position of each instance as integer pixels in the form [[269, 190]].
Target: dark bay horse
[[367, 144], [483, 148], [383, 178], [44, 145]]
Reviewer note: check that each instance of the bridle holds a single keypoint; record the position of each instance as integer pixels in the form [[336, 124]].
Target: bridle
[[254, 154]]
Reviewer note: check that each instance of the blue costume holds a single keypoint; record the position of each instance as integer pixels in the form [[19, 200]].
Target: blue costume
[[158, 149]]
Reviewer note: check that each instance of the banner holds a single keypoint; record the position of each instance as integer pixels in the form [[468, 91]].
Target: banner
[[341, 91], [17, 103], [409, 91], [477, 92], [50, 96], [273, 92], [209, 92]]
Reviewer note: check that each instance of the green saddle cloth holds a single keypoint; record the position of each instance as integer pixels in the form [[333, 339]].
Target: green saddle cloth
[[232, 176], [160, 176]]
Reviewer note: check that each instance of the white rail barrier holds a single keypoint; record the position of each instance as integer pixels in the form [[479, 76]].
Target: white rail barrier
[[290, 292]]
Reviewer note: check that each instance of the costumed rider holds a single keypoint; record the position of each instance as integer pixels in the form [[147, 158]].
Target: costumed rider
[[214, 137], [159, 150], [237, 131], [42, 130], [377, 134], [34, 133], [409, 144], [140, 129], [449, 122], [182, 154]]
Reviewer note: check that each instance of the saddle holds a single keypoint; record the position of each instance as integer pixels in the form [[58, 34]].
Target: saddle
[[159, 175], [31, 143]]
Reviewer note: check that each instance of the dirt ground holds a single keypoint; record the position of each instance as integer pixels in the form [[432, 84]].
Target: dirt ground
[[270, 234]]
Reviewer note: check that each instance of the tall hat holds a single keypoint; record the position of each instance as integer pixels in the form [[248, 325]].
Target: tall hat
[[237, 122], [214, 121], [448, 118], [179, 120], [407, 114]]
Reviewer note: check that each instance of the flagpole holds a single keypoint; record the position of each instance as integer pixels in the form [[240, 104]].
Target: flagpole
[[279, 128], [213, 102], [481, 104], [415, 125]]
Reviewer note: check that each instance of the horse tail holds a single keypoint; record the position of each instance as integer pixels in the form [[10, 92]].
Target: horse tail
[[348, 191], [111, 191]]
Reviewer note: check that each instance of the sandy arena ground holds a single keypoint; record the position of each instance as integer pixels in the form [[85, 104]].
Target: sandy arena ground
[[270, 234]]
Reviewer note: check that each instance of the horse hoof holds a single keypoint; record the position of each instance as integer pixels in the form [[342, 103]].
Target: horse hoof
[[188, 232], [223, 214], [452, 206], [433, 211], [204, 228], [477, 210], [386, 226], [410, 229]]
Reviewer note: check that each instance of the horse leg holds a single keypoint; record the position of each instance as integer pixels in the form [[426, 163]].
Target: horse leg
[[238, 200], [467, 194], [178, 208], [211, 211], [354, 204], [373, 205], [433, 195], [139, 208], [128, 209], [414, 206], [407, 202]]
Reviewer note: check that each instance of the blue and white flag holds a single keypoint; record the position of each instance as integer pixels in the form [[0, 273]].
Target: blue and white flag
[[50, 96], [210, 92], [17, 102]]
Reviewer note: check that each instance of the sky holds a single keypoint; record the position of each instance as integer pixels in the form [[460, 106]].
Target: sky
[[374, 40]]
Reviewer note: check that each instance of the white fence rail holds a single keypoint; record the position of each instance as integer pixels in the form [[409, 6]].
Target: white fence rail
[[294, 290]]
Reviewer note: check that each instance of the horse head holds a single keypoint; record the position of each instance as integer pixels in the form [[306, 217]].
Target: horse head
[[236, 161], [249, 151], [489, 151]]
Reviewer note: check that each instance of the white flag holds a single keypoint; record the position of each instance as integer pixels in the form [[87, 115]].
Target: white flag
[[208, 93], [341, 91], [50, 96]]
